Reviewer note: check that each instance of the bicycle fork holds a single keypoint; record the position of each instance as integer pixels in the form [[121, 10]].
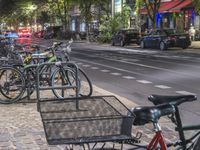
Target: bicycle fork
[[157, 140]]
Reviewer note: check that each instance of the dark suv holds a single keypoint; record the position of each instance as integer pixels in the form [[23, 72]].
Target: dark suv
[[125, 37]]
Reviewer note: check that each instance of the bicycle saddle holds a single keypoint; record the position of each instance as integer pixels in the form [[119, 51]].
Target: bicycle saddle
[[175, 100], [147, 114]]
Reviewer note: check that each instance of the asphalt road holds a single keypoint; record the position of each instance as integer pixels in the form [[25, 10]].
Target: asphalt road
[[135, 74]]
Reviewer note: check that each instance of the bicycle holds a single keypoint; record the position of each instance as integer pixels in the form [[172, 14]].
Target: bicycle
[[48, 76], [100, 119], [27, 69], [66, 76], [191, 143]]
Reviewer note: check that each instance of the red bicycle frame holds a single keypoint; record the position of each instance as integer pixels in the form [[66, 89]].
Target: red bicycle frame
[[157, 139]]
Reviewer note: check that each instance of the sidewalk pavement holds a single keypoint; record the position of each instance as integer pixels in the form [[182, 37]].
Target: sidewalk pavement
[[193, 48], [21, 127], [195, 45]]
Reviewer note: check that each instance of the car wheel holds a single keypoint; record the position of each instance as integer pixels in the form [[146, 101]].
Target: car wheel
[[142, 45], [162, 46], [122, 43]]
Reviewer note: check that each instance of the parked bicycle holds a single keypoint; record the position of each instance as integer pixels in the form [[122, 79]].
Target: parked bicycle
[[189, 143], [49, 76]]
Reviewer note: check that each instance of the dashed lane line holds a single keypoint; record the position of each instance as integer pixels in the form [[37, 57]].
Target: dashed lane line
[[144, 81], [185, 93], [128, 77], [104, 70], [86, 66], [115, 74], [140, 81], [94, 68], [162, 86]]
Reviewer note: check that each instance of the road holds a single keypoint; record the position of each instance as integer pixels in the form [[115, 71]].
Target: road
[[136, 74]]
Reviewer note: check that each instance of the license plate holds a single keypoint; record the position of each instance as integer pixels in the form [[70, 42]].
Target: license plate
[[182, 37]]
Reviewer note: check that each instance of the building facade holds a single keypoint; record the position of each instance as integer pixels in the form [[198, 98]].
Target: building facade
[[178, 14]]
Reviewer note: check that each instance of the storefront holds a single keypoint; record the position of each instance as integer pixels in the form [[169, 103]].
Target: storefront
[[175, 14]]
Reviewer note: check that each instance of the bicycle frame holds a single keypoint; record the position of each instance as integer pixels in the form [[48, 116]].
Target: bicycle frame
[[180, 129], [157, 139]]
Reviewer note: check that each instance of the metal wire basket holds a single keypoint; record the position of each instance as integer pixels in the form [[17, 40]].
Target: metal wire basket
[[97, 119]]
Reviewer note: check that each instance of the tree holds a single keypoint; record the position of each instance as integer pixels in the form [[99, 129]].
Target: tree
[[152, 7], [196, 4]]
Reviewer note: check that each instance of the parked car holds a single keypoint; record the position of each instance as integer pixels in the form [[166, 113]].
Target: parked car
[[39, 34], [11, 34], [24, 32], [165, 38], [125, 37]]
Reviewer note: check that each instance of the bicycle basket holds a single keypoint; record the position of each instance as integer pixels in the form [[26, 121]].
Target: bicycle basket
[[98, 119]]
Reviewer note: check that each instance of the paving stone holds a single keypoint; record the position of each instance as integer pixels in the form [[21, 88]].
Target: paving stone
[[21, 128]]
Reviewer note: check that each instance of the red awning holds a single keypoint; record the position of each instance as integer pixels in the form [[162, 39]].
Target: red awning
[[166, 7], [169, 6], [183, 4], [162, 5]]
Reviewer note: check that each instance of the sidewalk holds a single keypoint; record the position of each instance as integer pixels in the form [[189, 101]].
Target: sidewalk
[[21, 126], [194, 47]]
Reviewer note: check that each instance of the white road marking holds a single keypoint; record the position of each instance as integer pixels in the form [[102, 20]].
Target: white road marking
[[94, 68], [144, 81], [86, 66], [138, 64], [105, 70], [128, 77], [162, 86], [185, 93], [79, 63], [115, 74]]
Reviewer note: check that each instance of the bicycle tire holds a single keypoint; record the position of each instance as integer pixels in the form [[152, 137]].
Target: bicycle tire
[[58, 79], [12, 85], [30, 83], [197, 144], [86, 88]]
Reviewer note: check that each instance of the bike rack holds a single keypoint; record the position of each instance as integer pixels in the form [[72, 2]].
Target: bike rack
[[41, 89]]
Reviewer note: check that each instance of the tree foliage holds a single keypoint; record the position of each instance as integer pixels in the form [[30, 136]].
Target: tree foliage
[[196, 4], [152, 7]]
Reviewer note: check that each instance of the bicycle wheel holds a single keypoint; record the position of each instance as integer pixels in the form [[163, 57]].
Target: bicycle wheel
[[12, 85], [85, 89], [197, 144], [68, 77], [30, 79], [63, 77]]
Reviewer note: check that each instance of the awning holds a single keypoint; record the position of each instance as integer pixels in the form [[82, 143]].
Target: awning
[[166, 7], [162, 6], [172, 6], [182, 5]]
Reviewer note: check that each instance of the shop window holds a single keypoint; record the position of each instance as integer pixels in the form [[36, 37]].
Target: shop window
[[82, 27], [73, 25]]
